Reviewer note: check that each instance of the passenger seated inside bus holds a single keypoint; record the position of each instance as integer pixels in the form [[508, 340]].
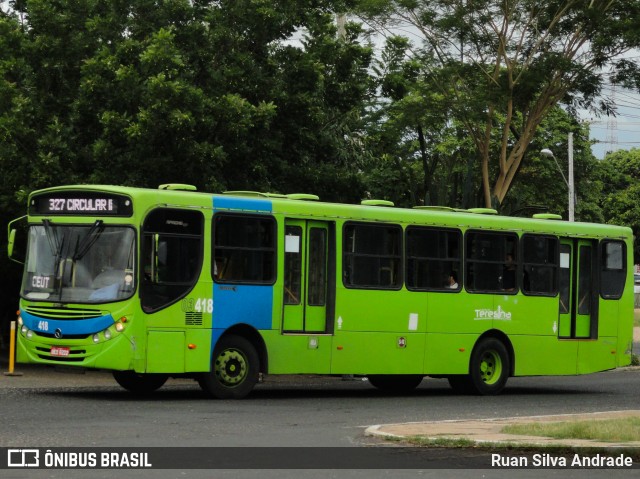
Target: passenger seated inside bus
[[509, 274], [452, 281]]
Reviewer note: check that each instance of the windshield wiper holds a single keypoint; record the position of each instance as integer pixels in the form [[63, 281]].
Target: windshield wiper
[[83, 246], [52, 237]]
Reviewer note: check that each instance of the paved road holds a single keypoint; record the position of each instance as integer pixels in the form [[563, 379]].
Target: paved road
[[46, 409]]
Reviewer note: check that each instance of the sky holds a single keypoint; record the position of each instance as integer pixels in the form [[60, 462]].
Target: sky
[[621, 132]]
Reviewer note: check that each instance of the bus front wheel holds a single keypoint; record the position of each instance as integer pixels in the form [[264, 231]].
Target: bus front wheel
[[489, 369], [234, 369], [139, 383]]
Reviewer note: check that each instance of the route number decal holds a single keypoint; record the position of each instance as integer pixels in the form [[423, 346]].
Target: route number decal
[[198, 305]]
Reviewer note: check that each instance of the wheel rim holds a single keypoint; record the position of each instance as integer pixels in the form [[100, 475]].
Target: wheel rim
[[231, 367], [490, 367]]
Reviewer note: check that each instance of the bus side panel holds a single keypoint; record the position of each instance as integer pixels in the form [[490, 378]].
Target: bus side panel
[[616, 320], [380, 310], [198, 350], [458, 313], [379, 332], [540, 355], [596, 356], [378, 353], [298, 354], [448, 353], [625, 328], [608, 315], [246, 304], [526, 315], [165, 351]]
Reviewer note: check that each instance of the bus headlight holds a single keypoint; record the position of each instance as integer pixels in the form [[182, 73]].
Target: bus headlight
[[20, 322], [24, 329], [96, 338], [119, 327], [107, 334], [29, 334]]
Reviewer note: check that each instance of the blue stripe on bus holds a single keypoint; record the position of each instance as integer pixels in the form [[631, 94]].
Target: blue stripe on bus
[[237, 303], [246, 204], [68, 327], [247, 304]]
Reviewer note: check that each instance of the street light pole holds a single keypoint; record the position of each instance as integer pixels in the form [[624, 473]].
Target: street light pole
[[569, 182], [572, 194]]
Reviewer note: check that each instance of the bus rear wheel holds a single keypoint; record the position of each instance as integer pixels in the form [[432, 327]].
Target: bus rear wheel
[[395, 383], [489, 369], [234, 369], [139, 383]]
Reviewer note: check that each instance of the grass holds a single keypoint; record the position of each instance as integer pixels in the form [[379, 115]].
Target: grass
[[611, 430], [518, 448]]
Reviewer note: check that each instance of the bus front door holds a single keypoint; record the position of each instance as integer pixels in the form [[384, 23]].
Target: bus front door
[[577, 314], [306, 276]]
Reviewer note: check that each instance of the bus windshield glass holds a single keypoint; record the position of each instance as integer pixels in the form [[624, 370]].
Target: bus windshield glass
[[79, 264]]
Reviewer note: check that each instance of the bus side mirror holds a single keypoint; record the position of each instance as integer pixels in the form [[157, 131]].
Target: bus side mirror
[[12, 239], [17, 240]]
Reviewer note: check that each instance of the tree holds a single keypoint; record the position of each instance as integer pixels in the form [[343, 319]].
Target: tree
[[505, 65], [201, 92], [540, 185], [619, 174]]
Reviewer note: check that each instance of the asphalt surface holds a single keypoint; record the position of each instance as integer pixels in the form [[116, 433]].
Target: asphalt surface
[[480, 431]]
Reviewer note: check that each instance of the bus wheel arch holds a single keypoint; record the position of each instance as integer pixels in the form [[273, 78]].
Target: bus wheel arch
[[235, 366], [254, 337], [490, 365], [504, 339]]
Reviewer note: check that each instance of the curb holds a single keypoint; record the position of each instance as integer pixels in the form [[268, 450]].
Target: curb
[[489, 431]]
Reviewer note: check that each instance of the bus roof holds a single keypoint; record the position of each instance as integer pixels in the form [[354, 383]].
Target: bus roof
[[306, 205]]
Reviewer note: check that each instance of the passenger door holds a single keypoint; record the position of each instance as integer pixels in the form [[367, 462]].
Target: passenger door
[[306, 279], [577, 307]]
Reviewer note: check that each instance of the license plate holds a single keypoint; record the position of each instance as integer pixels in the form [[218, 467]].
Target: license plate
[[59, 351]]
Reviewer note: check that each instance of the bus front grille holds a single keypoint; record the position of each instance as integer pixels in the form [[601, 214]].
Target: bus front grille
[[63, 313]]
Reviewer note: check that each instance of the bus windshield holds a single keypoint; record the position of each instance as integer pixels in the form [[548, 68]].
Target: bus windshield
[[79, 264]]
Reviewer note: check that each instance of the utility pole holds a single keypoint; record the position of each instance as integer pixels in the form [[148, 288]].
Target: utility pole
[[572, 194]]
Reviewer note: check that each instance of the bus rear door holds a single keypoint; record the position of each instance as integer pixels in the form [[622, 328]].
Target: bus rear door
[[578, 309]]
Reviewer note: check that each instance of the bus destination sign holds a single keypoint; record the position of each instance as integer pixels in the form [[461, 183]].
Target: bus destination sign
[[84, 203]]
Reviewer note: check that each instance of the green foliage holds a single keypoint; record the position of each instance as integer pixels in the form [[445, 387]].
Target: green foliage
[[503, 66], [232, 94], [619, 174], [540, 185]]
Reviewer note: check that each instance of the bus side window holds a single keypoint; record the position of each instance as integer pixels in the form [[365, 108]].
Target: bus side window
[[172, 242], [433, 260], [491, 262], [372, 256], [244, 246], [540, 264], [613, 269]]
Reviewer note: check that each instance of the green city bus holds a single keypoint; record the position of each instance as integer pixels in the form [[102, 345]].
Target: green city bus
[[222, 288]]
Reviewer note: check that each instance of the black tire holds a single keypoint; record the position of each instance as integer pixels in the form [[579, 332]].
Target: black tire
[[489, 367], [489, 370], [234, 369], [139, 383], [395, 383]]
